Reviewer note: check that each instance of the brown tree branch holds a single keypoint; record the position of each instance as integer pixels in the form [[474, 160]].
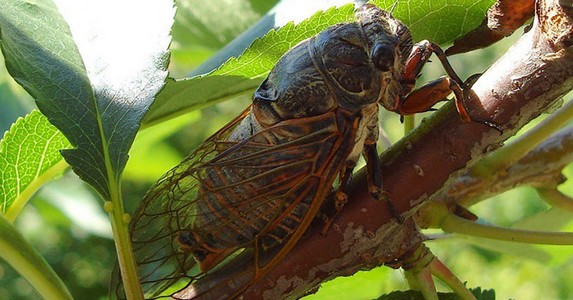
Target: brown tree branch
[[540, 168], [533, 74]]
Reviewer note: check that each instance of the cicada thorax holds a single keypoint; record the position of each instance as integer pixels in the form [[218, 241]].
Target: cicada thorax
[[331, 70]]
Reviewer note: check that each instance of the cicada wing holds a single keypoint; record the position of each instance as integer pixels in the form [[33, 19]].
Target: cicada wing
[[161, 262], [300, 204], [167, 208], [273, 195], [257, 194]]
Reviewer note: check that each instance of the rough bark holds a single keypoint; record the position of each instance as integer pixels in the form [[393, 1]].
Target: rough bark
[[528, 79], [541, 168]]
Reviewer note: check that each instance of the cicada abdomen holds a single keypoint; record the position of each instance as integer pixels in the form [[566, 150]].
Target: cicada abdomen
[[256, 185]]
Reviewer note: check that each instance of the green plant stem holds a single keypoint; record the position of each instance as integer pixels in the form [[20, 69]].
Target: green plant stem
[[409, 123], [511, 153], [442, 272], [19, 203], [15, 250], [556, 198], [123, 246], [455, 224], [421, 280]]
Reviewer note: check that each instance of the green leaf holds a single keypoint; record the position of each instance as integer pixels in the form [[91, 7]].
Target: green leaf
[[29, 263], [29, 156], [96, 98], [16, 102], [361, 285], [415, 295], [439, 21], [201, 28], [435, 20], [99, 101], [41, 55], [150, 144], [213, 24]]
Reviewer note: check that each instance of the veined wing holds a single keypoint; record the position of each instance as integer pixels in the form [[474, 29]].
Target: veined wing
[[258, 193]]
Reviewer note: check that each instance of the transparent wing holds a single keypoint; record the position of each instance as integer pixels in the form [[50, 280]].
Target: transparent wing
[[258, 193]]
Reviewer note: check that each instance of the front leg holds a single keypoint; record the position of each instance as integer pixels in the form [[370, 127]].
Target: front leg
[[375, 179], [422, 99], [419, 56], [339, 197]]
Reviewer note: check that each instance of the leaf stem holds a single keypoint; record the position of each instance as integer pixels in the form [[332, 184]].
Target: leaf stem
[[456, 224], [15, 250], [435, 214], [421, 280], [409, 123], [556, 198], [512, 152], [123, 246], [443, 273]]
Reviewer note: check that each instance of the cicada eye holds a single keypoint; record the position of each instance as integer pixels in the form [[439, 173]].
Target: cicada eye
[[383, 57]]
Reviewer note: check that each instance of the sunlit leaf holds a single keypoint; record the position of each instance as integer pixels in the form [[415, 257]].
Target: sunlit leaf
[[96, 92], [29, 156], [440, 21]]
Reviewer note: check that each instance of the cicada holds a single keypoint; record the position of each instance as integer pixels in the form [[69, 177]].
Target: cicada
[[256, 185]]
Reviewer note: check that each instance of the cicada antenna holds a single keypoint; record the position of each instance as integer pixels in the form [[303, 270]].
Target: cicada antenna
[[394, 6]]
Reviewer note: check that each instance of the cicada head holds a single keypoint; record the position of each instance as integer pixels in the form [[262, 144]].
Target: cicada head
[[361, 62], [389, 45]]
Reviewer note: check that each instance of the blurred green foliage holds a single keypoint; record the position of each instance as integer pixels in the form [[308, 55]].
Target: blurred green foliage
[[83, 253]]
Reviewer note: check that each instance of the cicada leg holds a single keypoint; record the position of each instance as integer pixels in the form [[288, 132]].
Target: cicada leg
[[419, 56], [338, 198], [422, 99], [375, 179]]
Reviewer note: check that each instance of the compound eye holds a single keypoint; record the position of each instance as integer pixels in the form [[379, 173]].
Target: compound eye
[[383, 57]]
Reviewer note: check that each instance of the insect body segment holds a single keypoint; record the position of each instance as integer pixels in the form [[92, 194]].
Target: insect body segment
[[422, 99], [257, 184]]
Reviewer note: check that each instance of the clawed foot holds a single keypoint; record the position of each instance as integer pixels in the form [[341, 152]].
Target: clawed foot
[[382, 195]]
